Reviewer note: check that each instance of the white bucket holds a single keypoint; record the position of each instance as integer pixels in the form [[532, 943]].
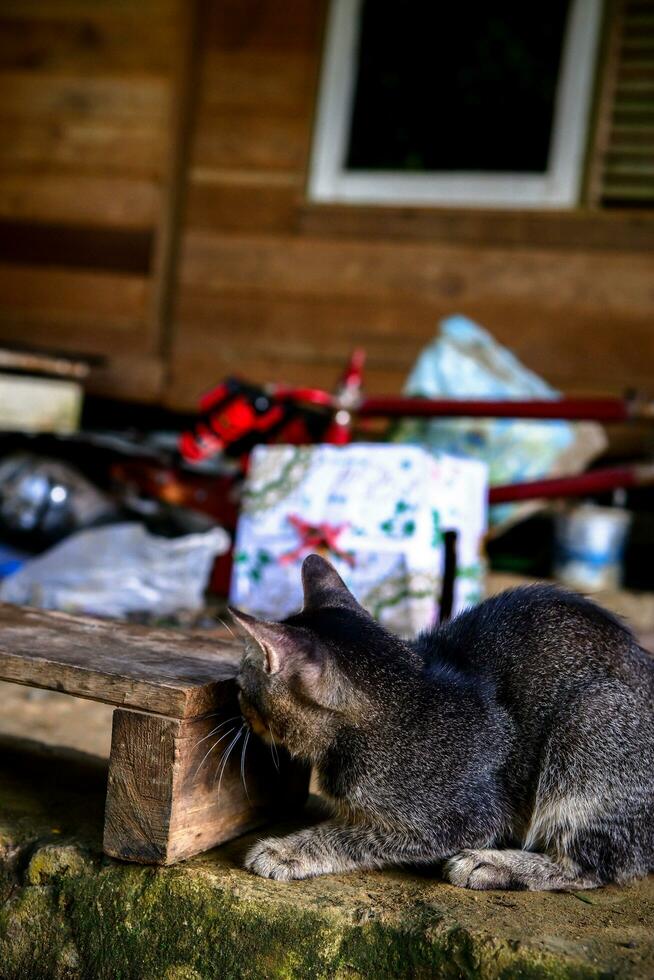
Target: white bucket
[[589, 547]]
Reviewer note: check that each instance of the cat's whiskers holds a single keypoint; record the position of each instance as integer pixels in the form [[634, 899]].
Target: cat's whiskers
[[227, 627], [243, 750], [273, 748], [207, 754], [211, 714], [214, 730], [225, 756]]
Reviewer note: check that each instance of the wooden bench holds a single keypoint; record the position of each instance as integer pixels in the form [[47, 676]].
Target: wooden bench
[[166, 797]]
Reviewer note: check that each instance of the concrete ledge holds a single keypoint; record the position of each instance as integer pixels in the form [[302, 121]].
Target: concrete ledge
[[67, 913]]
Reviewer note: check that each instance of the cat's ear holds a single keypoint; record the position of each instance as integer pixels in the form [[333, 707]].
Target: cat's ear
[[324, 587], [278, 641]]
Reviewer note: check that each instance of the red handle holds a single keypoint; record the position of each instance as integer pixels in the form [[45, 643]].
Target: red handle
[[597, 481]]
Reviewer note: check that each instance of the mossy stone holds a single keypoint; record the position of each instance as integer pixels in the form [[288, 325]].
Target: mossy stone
[[67, 913]]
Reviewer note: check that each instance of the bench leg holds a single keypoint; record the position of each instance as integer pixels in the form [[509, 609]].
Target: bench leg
[[163, 803]]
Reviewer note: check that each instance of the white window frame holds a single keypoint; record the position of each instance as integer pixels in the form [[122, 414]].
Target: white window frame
[[558, 187]]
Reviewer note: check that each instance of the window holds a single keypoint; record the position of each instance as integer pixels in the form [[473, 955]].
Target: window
[[461, 104], [621, 171]]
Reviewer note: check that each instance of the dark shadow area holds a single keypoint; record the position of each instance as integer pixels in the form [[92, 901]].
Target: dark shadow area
[[119, 250], [466, 87], [55, 792]]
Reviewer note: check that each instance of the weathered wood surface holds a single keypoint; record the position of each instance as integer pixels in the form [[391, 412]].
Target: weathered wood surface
[[169, 794], [161, 671], [284, 288], [290, 308], [97, 103], [173, 792], [86, 127]]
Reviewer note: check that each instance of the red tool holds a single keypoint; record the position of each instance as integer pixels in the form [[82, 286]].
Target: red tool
[[235, 416]]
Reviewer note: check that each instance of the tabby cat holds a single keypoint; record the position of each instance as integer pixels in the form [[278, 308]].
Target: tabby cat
[[514, 743]]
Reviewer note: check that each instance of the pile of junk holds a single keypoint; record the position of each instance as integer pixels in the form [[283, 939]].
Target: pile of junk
[[129, 511]]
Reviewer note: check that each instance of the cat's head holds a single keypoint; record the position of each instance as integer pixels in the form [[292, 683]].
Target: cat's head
[[328, 666]]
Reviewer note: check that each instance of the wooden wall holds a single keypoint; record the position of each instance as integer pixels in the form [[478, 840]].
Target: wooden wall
[[247, 170], [87, 95], [98, 142], [271, 286]]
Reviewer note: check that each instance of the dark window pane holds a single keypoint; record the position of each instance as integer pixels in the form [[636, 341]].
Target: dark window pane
[[458, 87]]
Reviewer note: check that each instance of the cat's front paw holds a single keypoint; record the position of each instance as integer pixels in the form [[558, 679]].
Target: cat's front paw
[[472, 869], [277, 858]]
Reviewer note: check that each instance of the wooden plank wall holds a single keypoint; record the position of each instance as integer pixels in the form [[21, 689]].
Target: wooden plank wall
[[86, 122], [267, 284], [248, 162], [273, 287]]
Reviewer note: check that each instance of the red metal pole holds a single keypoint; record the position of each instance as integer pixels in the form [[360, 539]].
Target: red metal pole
[[597, 481], [598, 409]]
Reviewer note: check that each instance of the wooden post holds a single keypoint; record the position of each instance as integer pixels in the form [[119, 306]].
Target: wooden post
[[173, 793], [169, 795]]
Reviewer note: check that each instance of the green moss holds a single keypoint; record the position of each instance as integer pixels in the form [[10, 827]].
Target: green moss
[[141, 924], [68, 914], [54, 861], [35, 940], [130, 923]]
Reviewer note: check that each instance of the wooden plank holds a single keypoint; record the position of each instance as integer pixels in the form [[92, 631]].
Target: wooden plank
[[254, 319], [30, 362], [606, 280], [249, 207], [306, 338], [165, 672], [79, 199], [560, 357], [258, 85], [47, 94], [251, 139], [532, 229], [295, 25], [168, 795], [77, 247], [166, 250], [298, 325], [269, 80], [85, 148], [86, 336], [95, 147], [42, 293], [77, 9], [133, 377], [93, 39]]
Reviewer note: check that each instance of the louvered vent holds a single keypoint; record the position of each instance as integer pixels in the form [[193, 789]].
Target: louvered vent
[[622, 172]]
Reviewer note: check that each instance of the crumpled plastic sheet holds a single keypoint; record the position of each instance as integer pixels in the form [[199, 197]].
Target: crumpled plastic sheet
[[119, 569], [465, 361]]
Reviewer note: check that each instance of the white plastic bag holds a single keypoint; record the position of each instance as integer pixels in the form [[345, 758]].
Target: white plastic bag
[[118, 569], [465, 361]]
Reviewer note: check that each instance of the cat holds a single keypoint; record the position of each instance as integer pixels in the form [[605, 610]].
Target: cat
[[513, 744]]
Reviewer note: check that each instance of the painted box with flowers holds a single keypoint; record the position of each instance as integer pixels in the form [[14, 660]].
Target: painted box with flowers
[[378, 512]]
